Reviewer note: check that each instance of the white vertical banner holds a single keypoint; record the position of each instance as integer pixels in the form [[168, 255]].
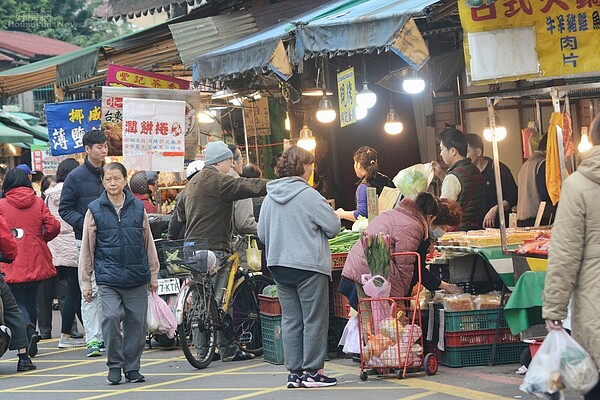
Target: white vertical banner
[[153, 134]]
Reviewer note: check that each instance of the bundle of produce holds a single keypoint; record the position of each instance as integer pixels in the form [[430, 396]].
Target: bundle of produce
[[377, 254], [343, 242], [414, 180]]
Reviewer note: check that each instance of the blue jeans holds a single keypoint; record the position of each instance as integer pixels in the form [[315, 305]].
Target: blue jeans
[[26, 297]]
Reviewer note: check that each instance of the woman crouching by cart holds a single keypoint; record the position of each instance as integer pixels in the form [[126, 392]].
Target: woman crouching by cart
[[295, 224], [117, 245], [407, 225]]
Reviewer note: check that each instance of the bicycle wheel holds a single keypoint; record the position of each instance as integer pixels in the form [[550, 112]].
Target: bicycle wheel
[[245, 311], [198, 332]]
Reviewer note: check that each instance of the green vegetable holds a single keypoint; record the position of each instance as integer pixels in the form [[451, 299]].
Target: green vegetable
[[343, 242], [410, 182], [270, 291]]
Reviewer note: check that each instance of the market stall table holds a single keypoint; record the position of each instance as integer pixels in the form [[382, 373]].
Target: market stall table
[[524, 308]]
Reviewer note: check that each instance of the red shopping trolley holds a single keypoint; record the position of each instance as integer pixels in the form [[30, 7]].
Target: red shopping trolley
[[391, 334]]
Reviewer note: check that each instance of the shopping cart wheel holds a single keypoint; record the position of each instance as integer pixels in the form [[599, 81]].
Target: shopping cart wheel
[[431, 364], [364, 375], [400, 373]]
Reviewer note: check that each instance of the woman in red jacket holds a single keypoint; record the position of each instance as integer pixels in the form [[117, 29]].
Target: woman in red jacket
[[23, 209]]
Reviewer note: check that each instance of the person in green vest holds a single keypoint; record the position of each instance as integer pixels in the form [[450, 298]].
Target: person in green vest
[[462, 182]]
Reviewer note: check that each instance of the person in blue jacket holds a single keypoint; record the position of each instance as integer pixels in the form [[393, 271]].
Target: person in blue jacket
[[82, 186], [117, 246]]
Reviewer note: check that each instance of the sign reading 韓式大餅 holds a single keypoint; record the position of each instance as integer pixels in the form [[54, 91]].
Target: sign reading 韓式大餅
[[527, 39]]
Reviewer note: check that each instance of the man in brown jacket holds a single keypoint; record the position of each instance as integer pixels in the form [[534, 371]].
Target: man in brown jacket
[[208, 213]]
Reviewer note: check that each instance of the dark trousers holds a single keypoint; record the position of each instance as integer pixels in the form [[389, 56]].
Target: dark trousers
[[49, 289], [26, 297], [594, 394], [71, 305], [13, 317]]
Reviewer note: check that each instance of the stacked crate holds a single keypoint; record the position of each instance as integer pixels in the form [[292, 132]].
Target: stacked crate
[[270, 325], [338, 316], [469, 337]]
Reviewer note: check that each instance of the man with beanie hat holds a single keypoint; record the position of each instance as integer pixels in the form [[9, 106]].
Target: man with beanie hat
[[207, 210], [141, 191]]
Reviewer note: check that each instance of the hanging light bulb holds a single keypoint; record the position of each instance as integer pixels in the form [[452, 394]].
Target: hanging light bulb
[[326, 113], [499, 130], [413, 85], [205, 116], [360, 112], [306, 139], [366, 98], [585, 144], [393, 126], [287, 121]]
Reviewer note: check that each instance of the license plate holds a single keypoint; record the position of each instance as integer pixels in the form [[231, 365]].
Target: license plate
[[168, 286]]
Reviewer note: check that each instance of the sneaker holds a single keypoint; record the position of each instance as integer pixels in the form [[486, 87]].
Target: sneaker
[[25, 364], [134, 376], [317, 380], [32, 350], [93, 349], [239, 356], [114, 376], [294, 380], [522, 370], [76, 335], [65, 343], [102, 347]]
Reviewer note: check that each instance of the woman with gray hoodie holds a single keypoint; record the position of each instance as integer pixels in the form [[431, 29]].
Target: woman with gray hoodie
[[295, 225]]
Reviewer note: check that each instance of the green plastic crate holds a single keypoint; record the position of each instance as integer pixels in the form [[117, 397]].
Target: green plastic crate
[[471, 356], [271, 336], [475, 320]]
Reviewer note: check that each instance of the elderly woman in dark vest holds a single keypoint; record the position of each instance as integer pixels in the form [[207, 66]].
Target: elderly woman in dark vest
[[117, 245]]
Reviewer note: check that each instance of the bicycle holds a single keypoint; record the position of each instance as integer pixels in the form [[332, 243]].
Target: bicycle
[[200, 316]]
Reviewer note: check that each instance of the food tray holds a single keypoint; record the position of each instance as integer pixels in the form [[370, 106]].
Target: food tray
[[271, 336], [269, 305], [470, 356], [473, 338]]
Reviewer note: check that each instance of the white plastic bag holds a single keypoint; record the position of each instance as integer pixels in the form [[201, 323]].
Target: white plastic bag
[[414, 180], [151, 321], [560, 362], [350, 339]]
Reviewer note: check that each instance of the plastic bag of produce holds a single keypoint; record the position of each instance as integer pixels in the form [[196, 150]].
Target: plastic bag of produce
[[414, 180], [560, 362]]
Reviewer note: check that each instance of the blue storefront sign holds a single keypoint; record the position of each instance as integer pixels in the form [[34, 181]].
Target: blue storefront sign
[[68, 122]]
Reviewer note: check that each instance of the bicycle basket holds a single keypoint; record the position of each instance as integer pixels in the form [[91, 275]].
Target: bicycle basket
[[187, 255]]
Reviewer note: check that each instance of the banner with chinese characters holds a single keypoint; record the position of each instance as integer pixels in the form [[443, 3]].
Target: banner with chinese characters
[[112, 116], [67, 123], [347, 97], [119, 75], [531, 39], [42, 159], [153, 134]]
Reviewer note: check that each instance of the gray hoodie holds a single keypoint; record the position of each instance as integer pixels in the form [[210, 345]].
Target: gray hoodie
[[295, 224]]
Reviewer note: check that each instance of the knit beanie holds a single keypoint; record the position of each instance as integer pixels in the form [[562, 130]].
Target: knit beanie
[[216, 152]]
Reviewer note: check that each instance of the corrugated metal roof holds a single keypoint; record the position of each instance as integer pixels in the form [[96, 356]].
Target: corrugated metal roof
[[200, 36], [115, 9], [30, 46]]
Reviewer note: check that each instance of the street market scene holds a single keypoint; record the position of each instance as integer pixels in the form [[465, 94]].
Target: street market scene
[[275, 199]]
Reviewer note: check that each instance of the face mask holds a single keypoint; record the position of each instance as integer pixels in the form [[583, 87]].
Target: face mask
[[438, 232]]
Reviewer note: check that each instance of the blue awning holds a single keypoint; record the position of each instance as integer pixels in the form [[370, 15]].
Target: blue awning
[[338, 27]]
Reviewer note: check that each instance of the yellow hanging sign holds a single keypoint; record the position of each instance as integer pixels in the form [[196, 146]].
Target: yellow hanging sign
[[347, 96]]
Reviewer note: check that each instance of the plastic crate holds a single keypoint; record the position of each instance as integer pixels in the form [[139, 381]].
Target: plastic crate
[[269, 305], [470, 356], [475, 320], [271, 336], [472, 338], [338, 260], [336, 328], [341, 306]]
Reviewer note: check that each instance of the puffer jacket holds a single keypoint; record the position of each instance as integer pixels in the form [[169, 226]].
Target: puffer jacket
[[62, 247], [23, 209], [574, 255], [407, 227]]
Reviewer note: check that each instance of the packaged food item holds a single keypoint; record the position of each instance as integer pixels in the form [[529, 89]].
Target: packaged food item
[[487, 301], [459, 302]]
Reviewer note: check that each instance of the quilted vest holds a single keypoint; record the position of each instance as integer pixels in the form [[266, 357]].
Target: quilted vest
[[121, 258], [471, 193]]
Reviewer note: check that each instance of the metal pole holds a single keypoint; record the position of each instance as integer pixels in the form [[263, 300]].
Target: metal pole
[[245, 131], [490, 107], [559, 137]]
